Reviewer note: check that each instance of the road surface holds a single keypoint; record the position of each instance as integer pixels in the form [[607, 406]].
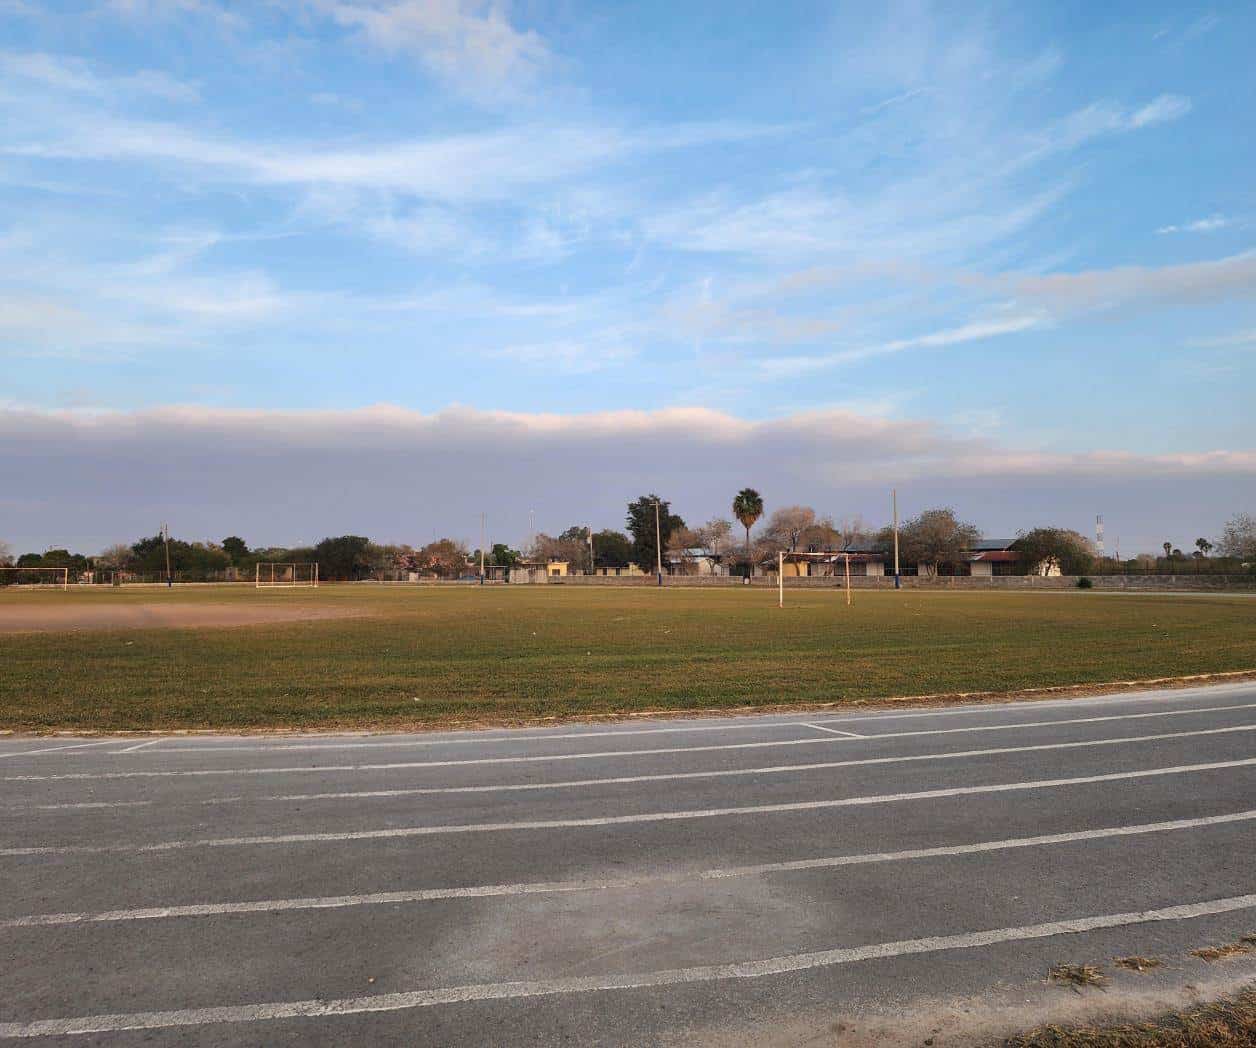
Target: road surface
[[783, 879]]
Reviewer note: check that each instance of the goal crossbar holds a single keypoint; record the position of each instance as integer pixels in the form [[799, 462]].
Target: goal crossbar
[[61, 576], [278, 574]]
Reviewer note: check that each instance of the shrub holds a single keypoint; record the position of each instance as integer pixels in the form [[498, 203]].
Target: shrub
[[1085, 583]]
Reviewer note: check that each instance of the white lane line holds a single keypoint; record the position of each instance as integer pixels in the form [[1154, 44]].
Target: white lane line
[[607, 754], [1215, 691], [420, 791], [328, 902], [190, 747], [618, 820], [142, 745], [716, 726], [797, 962], [19, 809], [58, 749], [726, 773], [834, 731]]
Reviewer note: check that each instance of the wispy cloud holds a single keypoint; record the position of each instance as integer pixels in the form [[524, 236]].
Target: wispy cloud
[[470, 45], [1160, 111], [973, 332], [71, 75], [1201, 225]]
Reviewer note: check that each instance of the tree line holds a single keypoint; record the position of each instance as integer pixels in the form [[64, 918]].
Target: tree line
[[934, 541]]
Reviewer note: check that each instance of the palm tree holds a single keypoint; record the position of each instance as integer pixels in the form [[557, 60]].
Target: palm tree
[[748, 508]]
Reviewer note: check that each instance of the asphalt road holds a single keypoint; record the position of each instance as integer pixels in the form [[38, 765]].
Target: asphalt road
[[785, 879]]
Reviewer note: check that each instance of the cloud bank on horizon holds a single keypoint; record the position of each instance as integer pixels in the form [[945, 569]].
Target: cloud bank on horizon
[[291, 477], [1004, 259]]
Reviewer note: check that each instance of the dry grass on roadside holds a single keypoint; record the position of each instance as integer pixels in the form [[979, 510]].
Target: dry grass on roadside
[[1226, 950], [1228, 1023], [1138, 964], [1077, 975]]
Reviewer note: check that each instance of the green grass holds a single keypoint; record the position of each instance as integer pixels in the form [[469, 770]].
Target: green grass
[[428, 655]]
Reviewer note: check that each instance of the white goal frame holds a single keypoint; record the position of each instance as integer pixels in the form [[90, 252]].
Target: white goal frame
[[64, 582], [265, 576]]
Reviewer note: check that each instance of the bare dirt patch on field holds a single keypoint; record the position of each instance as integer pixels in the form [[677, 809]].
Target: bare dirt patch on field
[[17, 617]]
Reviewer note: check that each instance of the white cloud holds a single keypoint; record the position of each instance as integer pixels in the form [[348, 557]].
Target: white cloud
[[468, 44], [1193, 283], [61, 73], [1161, 110], [1202, 225], [973, 332], [483, 166], [288, 476]]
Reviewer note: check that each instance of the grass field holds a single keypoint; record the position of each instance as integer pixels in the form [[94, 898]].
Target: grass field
[[424, 655]]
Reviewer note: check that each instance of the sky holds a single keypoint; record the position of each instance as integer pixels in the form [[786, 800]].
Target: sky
[[304, 267]]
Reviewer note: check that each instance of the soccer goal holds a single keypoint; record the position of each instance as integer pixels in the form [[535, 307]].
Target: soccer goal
[[28, 578], [287, 575]]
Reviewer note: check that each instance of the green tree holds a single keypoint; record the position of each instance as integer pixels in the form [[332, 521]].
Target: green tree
[[641, 526], [1069, 550], [612, 549], [235, 548], [504, 556], [748, 508], [343, 557]]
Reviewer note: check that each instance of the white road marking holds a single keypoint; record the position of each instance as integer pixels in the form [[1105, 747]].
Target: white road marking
[[618, 820], [725, 773], [609, 754], [142, 745], [58, 749], [20, 809], [263, 747], [386, 1002], [327, 902], [834, 731]]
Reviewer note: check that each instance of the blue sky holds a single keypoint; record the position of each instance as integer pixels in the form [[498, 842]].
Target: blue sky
[[989, 252]]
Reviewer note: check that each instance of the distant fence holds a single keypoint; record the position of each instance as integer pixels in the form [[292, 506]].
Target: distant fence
[[1148, 583]]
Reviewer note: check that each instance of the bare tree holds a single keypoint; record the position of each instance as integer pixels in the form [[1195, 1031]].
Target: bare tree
[[115, 557], [854, 531], [6, 557], [934, 538], [1238, 538], [717, 535], [787, 525]]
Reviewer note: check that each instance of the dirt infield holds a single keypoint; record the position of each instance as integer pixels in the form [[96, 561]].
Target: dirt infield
[[51, 618]]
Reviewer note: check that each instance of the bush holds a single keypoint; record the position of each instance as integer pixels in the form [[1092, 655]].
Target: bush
[[1085, 583]]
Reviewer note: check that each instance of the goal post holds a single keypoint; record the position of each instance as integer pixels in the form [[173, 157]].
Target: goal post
[[45, 578], [274, 574]]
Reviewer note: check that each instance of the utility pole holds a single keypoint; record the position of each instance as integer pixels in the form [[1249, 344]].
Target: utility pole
[[165, 536], [589, 532], [531, 528], [658, 543], [481, 549], [780, 578], [898, 581], [848, 596]]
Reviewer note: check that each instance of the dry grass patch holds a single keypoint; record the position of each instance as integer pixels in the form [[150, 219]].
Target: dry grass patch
[[1226, 950], [1138, 964], [1078, 975], [1228, 1023]]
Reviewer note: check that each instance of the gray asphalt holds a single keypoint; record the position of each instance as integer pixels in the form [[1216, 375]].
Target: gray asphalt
[[791, 879]]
